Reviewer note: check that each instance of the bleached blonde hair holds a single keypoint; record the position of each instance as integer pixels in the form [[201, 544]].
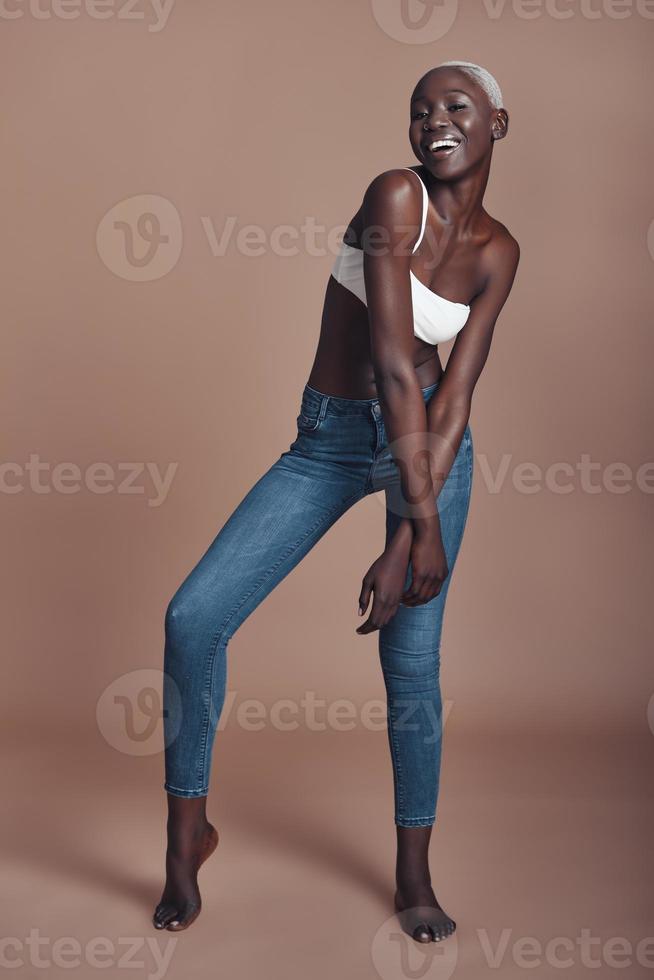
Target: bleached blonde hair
[[483, 77]]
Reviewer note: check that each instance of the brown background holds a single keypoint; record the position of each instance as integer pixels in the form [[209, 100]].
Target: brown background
[[270, 114]]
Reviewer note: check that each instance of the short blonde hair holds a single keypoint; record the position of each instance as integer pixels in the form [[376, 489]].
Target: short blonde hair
[[483, 77]]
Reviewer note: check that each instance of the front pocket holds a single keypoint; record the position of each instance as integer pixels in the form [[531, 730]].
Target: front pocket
[[308, 423]]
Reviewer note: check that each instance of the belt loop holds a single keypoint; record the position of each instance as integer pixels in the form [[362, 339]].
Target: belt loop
[[324, 402]]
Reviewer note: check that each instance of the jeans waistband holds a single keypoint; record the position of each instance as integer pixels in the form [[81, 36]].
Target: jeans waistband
[[349, 406]]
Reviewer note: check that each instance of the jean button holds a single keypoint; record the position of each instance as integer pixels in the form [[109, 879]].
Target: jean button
[[377, 410]]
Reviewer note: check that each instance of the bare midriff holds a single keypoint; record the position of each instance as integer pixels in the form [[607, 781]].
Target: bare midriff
[[343, 364]]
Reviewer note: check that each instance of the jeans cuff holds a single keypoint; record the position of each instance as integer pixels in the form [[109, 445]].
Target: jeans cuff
[[415, 821], [186, 793]]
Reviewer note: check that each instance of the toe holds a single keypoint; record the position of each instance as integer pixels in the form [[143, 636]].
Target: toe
[[422, 933], [164, 914], [183, 921]]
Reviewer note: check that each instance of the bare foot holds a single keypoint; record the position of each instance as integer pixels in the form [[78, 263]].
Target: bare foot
[[421, 916], [191, 840], [419, 912]]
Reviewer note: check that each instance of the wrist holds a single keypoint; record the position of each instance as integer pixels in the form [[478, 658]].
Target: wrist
[[426, 527], [403, 535]]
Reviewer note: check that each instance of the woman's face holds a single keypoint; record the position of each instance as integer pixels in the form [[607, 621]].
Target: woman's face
[[447, 105]]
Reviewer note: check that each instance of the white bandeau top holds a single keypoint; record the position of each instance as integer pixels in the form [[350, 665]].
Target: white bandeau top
[[435, 319]]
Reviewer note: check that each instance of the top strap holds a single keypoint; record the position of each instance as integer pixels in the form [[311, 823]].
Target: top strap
[[425, 205]]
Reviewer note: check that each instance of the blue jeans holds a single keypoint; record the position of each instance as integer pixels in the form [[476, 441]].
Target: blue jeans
[[339, 456]]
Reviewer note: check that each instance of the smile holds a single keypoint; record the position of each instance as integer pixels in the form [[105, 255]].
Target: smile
[[444, 147]]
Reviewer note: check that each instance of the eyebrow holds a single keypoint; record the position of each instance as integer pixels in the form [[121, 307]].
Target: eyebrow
[[450, 91]]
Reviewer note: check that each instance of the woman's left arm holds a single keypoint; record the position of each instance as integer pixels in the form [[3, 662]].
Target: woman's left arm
[[448, 411]]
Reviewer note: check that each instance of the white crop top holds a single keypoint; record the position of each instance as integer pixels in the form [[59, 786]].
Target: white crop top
[[435, 319]]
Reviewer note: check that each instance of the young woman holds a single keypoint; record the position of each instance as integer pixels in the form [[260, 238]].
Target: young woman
[[421, 263]]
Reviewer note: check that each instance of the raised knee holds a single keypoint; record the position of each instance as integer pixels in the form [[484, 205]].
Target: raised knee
[[182, 614]]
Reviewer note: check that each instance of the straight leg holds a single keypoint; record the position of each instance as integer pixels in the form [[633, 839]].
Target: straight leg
[[409, 650], [276, 524]]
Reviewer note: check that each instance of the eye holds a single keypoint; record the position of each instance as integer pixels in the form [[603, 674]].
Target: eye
[[419, 115], [456, 106]]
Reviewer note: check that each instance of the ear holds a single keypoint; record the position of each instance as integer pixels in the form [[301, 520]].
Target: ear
[[500, 125]]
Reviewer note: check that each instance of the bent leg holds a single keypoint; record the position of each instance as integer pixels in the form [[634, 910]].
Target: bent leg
[[276, 524], [409, 650]]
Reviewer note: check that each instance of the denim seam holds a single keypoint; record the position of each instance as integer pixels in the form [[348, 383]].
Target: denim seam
[[416, 821], [187, 792], [397, 771], [324, 518]]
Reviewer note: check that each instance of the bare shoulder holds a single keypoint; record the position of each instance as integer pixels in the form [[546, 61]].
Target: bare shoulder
[[392, 181], [393, 193], [501, 253]]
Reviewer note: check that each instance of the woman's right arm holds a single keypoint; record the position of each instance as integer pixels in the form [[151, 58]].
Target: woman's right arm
[[392, 214], [391, 219]]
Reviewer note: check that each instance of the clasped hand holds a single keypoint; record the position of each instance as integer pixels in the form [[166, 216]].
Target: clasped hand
[[386, 577]]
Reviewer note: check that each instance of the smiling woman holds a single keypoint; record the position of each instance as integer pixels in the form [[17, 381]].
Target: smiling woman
[[421, 262]]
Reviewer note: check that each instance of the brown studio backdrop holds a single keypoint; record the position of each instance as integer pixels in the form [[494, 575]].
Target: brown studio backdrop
[[203, 367], [269, 114]]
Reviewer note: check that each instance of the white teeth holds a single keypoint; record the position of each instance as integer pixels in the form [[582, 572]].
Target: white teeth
[[445, 142]]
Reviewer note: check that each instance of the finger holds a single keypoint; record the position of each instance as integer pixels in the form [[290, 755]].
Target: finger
[[428, 591], [374, 621], [415, 588], [368, 627], [392, 612], [364, 595]]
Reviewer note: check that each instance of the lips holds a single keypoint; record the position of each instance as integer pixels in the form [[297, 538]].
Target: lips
[[443, 146]]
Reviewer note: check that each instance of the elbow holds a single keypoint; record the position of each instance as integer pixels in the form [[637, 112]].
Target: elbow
[[453, 409], [399, 376]]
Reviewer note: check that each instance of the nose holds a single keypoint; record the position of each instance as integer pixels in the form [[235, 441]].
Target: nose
[[437, 121]]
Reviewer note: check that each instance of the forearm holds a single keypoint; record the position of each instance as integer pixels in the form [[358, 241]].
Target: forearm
[[446, 422], [406, 422], [446, 425]]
